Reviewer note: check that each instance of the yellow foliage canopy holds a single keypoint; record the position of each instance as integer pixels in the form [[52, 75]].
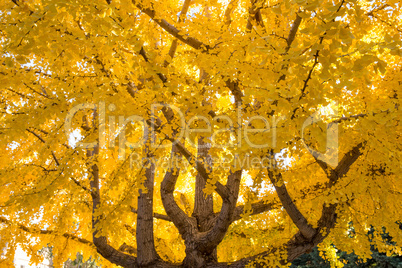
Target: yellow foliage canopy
[[199, 133]]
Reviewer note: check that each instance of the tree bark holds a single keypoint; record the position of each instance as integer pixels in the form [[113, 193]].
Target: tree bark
[[203, 204], [145, 229]]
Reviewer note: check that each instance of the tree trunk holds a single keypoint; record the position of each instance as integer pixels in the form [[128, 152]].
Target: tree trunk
[[145, 229]]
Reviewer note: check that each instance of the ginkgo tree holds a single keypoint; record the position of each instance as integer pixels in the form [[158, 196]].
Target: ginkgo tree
[[200, 133]]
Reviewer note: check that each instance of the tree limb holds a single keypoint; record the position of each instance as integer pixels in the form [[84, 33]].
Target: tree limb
[[146, 252], [257, 208], [343, 166], [173, 46], [229, 9], [33, 230], [221, 189], [100, 241], [210, 240], [293, 31], [298, 244], [186, 226], [191, 41], [203, 204], [294, 213], [255, 15]]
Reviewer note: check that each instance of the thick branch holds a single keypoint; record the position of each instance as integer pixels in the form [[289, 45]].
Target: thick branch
[[221, 189], [146, 252], [348, 159], [298, 244], [185, 225], [107, 251], [327, 221], [344, 165], [203, 205], [156, 215], [211, 239], [255, 15], [236, 91], [294, 213], [290, 39], [191, 41], [199, 166], [293, 31], [100, 242], [229, 9]]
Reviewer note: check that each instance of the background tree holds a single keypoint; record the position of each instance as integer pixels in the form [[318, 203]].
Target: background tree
[[313, 74], [79, 262], [340, 258]]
